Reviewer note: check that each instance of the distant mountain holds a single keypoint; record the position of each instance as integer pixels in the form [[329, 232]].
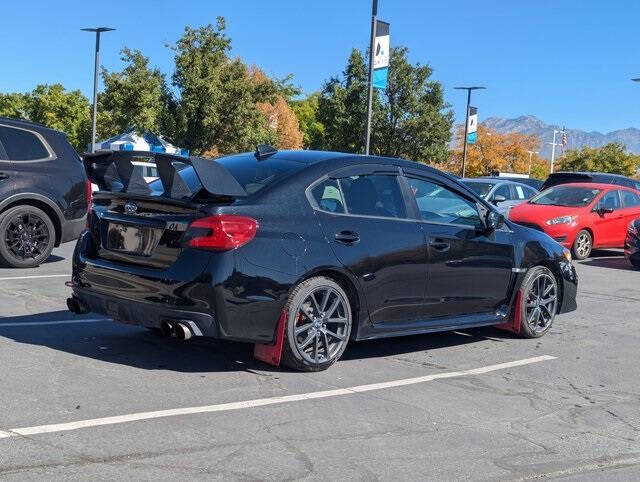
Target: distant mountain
[[528, 124]]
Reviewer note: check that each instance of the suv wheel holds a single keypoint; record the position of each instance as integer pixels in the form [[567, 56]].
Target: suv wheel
[[27, 237], [318, 325]]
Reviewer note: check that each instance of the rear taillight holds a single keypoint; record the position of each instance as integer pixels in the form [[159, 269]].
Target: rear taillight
[[221, 232], [89, 206]]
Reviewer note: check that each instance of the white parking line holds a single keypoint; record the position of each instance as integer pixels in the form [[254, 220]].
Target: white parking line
[[39, 276], [57, 322], [261, 402]]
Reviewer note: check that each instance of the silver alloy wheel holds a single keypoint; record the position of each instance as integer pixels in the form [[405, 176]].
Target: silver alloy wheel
[[321, 325], [583, 245], [541, 302]]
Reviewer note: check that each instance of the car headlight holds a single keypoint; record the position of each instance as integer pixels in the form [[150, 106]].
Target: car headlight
[[560, 220], [567, 254]]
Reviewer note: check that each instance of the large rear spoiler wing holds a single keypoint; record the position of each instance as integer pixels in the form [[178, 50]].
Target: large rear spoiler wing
[[113, 171]]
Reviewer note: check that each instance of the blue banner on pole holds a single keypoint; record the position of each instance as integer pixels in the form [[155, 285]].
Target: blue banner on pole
[[380, 78], [472, 137]]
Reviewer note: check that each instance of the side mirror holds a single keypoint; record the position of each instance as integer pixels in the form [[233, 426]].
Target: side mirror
[[604, 210], [494, 221], [498, 198]]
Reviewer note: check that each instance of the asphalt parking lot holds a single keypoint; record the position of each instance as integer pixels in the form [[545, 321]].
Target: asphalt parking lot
[[87, 398]]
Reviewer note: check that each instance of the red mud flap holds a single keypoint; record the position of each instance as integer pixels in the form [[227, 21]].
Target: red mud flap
[[513, 324], [271, 353]]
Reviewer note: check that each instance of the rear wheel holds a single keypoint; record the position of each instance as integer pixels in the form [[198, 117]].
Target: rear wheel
[[582, 245], [27, 237], [318, 325], [539, 302]]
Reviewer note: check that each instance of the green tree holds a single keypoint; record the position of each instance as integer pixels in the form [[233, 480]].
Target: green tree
[[14, 105], [216, 103], [306, 111], [409, 118], [415, 123], [135, 97], [54, 107], [342, 107], [611, 158]]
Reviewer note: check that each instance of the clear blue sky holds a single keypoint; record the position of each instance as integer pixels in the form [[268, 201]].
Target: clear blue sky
[[566, 62]]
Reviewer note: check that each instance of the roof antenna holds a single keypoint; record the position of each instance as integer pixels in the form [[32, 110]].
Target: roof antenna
[[264, 150]]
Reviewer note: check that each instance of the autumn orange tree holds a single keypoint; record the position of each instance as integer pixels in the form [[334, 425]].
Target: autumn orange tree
[[494, 151]]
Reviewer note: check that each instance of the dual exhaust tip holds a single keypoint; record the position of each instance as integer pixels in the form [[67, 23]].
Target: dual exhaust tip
[[176, 329]]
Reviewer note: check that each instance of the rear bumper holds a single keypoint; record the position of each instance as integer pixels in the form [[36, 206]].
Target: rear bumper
[[72, 229], [144, 314]]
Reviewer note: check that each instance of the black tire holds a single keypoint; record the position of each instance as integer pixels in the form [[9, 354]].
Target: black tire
[[32, 248], [582, 245], [540, 294], [311, 323]]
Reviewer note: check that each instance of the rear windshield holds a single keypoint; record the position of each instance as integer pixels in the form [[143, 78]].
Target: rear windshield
[[480, 188], [251, 174], [566, 195]]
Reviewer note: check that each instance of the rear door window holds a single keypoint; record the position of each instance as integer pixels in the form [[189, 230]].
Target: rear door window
[[610, 200], [519, 192], [630, 199], [373, 195], [22, 145]]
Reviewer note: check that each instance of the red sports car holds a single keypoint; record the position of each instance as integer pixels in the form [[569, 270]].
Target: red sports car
[[581, 216]]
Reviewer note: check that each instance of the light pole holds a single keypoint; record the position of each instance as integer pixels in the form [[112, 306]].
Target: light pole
[[466, 123], [553, 149], [374, 14], [531, 153], [98, 31]]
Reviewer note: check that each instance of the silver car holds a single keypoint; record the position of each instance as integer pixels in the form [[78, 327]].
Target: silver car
[[502, 193]]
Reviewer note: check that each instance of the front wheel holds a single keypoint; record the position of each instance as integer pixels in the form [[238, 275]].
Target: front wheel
[[27, 237], [318, 325], [582, 245], [539, 302]]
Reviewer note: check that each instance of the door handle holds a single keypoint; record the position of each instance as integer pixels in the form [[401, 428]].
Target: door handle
[[3, 176], [347, 237], [439, 244]]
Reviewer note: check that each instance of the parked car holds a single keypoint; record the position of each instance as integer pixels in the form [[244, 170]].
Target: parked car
[[503, 193], [521, 178], [632, 243], [43, 192], [302, 251], [582, 177], [581, 216]]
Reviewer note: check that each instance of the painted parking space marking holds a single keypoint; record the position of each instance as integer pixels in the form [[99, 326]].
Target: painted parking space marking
[[55, 322], [261, 402], [39, 276]]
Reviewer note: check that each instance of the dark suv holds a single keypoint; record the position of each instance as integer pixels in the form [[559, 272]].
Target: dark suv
[[44, 192], [599, 177]]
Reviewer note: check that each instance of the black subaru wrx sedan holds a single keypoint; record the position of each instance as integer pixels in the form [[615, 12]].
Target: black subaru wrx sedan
[[304, 251]]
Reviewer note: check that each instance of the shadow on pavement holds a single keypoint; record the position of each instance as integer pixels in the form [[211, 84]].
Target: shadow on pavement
[[608, 259], [141, 348]]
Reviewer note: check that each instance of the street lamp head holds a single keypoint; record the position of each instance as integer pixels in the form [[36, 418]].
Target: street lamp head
[[97, 29], [475, 87], [636, 80]]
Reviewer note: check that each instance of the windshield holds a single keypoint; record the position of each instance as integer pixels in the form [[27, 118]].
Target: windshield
[[251, 174], [480, 188], [571, 196]]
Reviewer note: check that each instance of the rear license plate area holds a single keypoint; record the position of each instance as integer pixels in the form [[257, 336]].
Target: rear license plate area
[[136, 240]]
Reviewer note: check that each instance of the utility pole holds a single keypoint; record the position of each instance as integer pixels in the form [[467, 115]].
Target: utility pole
[[531, 153], [98, 31], [374, 14], [466, 123]]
